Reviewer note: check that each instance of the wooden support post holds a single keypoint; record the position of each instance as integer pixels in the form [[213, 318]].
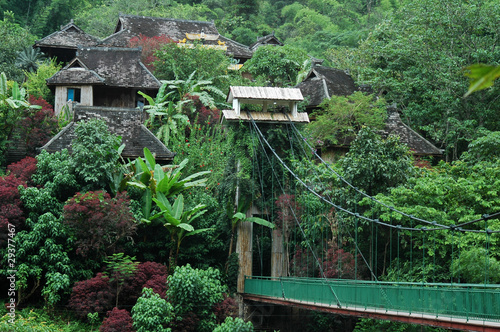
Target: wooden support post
[[244, 248], [278, 266]]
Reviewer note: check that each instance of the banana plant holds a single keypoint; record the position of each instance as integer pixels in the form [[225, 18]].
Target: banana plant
[[17, 97], [178, 222], [155, 179], [170, 117]]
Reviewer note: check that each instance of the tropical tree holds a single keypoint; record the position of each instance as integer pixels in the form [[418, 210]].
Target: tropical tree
[[207, 93], [279, 65], [14, 38], [418, 56], [161, 110], [341, 117], [153, 179], [29, 59], [178, 222], [12, 102]]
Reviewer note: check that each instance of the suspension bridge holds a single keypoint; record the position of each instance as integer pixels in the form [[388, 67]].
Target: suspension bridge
[[328, 257]]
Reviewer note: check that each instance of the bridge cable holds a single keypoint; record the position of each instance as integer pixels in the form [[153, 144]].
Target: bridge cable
[[357, 215], [484, 217], [261, 137]]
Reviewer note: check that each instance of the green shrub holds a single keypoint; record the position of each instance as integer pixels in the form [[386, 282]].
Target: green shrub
[[234, 325], [151, 313], [196, 291]]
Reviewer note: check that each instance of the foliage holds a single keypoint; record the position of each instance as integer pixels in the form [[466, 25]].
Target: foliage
[[163, 116], [36, 84], [42, 256], [95, 153], [234, 324], [120, 267], [418, 57], [14, 38], [280, 65], [448, 194], [208, 148], [152, 313], [149, 47], [98, 222], [38, 126], [178, 222], [228, 308], [475, 266], [153, 179], [23, 169], [341, 264], [29, 59], [240, 216], [484, 148], [11, 210], [197, 291], [31, 319], [204, 89], [374, 165], [366, 324], [12, 102], [481, 77], [55, 173], [93, 295], [342, 117], [117, 320], [178, 63], [147, 275]]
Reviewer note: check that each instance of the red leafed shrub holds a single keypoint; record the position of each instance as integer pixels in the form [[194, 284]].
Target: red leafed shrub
[[149, 46], [23, 169], [93, 295], [148, 275], [284, 216], [117, 321], [188, 323], [302, 264], [227, 308], [38, 126], [205, 115], [341, 264], [10, 202], [98, 221]]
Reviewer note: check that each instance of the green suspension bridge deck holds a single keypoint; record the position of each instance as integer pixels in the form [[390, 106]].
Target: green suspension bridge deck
[[473, 307]]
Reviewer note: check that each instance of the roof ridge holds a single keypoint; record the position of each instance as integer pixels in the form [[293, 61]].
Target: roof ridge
[[166, 18]]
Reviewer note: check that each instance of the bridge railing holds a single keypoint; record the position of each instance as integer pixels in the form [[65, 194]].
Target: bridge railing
[[467, 301]]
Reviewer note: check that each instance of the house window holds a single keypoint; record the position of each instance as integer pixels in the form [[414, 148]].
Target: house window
[[74, 94]]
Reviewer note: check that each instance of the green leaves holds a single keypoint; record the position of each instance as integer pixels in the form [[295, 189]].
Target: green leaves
[[151, 313], [481, 77], [343, 117]]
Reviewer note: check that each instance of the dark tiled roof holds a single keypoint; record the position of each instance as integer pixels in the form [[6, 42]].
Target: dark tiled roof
[[124, 122], [266, 40], [75, 73], [236, 49], [130, 26], [418, 144], [70, 36], [315, 91], [117, 67], [324, 82]]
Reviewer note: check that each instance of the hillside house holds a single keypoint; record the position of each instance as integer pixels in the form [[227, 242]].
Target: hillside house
[[324, 82], [103, 76], [125, 122]]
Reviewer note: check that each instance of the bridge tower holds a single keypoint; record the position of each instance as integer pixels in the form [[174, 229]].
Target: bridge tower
[[268, 98]]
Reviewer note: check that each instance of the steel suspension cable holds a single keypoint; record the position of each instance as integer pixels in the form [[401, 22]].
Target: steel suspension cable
[[484, 217]]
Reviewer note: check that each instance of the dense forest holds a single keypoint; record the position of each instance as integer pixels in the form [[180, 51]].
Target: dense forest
[[100, 242]]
